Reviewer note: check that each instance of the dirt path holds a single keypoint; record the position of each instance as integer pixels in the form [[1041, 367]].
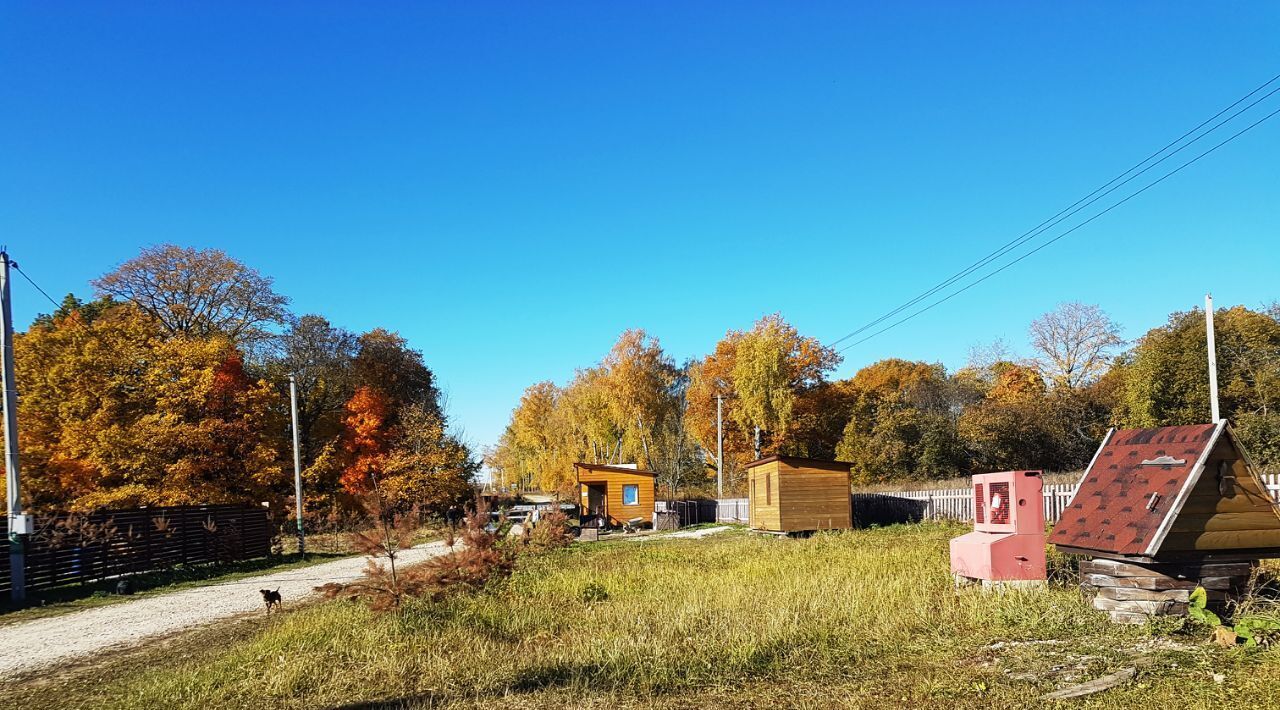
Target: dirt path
[[41, 642]]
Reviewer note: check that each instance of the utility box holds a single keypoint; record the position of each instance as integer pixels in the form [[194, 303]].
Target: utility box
[[1007, 542], [21, 524]]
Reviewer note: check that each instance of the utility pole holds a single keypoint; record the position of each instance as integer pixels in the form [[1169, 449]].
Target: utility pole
[[19, 524], [719, 446], [1213, 357], [297, 466]]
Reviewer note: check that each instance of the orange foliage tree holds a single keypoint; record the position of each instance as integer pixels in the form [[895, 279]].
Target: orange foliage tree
[[367, 436]]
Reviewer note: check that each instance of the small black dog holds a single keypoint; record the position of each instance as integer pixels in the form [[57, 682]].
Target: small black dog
[[272, 598]]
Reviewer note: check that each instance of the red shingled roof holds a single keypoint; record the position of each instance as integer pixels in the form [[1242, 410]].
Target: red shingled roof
[[1112, 510]]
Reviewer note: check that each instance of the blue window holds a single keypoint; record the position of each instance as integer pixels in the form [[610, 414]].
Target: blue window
[[631, 494]]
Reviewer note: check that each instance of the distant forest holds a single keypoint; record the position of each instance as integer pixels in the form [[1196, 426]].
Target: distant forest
[[895, 420]]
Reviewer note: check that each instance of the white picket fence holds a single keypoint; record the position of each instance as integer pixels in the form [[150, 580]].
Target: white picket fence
[[733, 510], [957, 503], [939, 504]]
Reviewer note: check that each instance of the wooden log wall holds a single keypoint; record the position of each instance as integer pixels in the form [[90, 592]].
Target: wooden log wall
[[1131, 592]]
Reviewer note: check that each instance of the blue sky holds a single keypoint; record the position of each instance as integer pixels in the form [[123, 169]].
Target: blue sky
[[511, 185]]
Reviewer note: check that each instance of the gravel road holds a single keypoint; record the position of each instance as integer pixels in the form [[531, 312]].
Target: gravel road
[[42, 642]]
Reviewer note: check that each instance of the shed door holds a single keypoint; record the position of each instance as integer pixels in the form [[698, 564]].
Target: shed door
[[597, 501]]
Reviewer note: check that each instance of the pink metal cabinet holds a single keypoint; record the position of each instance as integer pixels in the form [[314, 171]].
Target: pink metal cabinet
[[1007, 542]]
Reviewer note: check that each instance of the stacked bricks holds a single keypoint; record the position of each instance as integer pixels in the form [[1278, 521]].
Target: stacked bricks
[[1132, 592]]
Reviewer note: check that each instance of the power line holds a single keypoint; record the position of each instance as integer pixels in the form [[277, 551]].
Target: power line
[[1078, 205], [1150, 185], [79, 322], [36, 285]]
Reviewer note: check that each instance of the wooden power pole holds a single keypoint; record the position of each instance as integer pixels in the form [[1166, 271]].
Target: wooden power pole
[[19, 523], [719, 446], [1213, 357], [297, 466]]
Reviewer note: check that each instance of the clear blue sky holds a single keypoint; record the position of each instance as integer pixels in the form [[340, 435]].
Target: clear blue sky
[[512, 185]]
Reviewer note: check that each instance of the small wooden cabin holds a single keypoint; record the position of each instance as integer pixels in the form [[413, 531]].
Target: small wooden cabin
[[790, 494], [616, 494], [1170, 493]]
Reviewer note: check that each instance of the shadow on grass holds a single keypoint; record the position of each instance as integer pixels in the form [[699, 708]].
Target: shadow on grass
[[763, 662], [528, 681], [151, 581]]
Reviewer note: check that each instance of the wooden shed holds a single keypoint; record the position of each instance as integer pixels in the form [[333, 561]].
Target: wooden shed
[[792, 494], [1168, 493], [615, 494]]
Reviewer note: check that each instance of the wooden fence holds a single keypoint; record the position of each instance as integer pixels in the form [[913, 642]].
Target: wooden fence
[[70, 549]]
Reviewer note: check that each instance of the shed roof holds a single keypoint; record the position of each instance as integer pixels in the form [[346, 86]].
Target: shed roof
[[802, 462], [614, 469], [1112, 510]]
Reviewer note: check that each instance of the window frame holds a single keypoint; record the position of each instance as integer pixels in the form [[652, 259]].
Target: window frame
[[635, 489]]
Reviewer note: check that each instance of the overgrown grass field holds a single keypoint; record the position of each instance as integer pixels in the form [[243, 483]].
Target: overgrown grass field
[[862, 618]]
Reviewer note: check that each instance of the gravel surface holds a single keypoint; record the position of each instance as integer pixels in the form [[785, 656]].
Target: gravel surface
[[42, 642]]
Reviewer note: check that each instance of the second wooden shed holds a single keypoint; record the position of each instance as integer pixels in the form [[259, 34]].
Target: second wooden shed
[[790, 494]]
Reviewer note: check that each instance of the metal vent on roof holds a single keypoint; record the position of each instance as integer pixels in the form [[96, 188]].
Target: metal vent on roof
[[1165, 460]]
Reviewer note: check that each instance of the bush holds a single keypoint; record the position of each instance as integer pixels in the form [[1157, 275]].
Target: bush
[[551, 532]]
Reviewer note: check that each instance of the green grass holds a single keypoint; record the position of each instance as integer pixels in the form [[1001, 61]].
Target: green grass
[[863, 618]]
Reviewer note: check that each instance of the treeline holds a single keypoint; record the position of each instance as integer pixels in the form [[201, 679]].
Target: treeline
[[171, 387], [894, 420]]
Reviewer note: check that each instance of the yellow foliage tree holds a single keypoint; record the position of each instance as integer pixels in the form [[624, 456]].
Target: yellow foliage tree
[[118, 412]]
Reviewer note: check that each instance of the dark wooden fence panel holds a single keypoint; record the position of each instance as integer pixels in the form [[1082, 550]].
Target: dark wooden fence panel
[[4, 556], [689, 512], [85, 548], [877, 509]]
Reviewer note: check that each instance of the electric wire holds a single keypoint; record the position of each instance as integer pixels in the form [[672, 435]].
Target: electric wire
[[1150, 185], [1079, 205]]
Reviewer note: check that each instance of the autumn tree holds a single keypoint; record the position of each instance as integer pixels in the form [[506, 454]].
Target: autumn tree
[[1165, 378], [1075, 342], [385, 361], [396, 432], [765, 377], [427, 466], [676, 456], [903, 423], [773, 364], [586, 411], [118, 412], [638, 379], [197, 293], [319, 356], [540, 437], [368, 439], [711, 380]]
